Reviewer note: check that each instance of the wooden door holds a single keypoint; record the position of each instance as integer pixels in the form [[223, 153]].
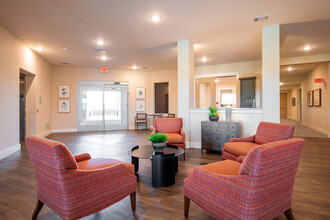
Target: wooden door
[[283, 106]]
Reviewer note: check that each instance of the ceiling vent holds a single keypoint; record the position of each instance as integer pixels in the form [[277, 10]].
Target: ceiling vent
[[99, 51], [65, 63], [144, 68], [261, 18]]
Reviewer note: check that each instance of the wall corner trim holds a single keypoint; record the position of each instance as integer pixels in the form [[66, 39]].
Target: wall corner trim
[[9, 151]]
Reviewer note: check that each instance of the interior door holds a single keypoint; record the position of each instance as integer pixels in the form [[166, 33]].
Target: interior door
[[115, 107], [283, 106]]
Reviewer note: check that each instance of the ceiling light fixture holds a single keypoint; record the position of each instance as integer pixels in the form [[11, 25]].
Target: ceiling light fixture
[[281, 84], [104, 58], [66, 49], [134, 67], [307, 48], [155, 18], [290, 68], [204, 59], [40, 48], [100, 42]]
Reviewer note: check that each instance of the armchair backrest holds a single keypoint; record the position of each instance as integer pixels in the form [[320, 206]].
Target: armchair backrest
[[141, 116], [270, 132], [50, 159], [168, 125], [274, 163]]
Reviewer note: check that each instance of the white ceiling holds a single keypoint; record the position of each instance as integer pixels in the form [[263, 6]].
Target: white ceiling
[[220, 26], [293, 78]]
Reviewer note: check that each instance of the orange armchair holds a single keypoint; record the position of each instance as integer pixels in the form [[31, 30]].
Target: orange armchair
[[173, 128], [74, 187], [266, 132], [259, 188]]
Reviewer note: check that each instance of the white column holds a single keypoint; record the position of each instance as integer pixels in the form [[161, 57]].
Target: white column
[[185, 84], [271, 73]]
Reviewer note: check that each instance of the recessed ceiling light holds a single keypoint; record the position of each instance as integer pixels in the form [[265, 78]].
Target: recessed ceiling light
[[103, 58], [155, 18], [66, 49], [307, 48], [100, 42], [290, 68], [281, 84], [134, 67], [40, 48], [204, 59]]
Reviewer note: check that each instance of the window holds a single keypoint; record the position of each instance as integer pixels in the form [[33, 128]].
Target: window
[[237, 91]]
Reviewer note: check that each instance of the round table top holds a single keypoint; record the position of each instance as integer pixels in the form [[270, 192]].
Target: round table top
[[146, 151]]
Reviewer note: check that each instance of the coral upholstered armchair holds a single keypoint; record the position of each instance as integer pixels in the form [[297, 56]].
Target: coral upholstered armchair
[[173, 128], [266, 132], [259, 188], [74, 187]]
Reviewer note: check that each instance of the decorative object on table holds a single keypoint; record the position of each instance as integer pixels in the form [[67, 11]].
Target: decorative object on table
[[293, 101], [140, 106], [64, 106], [216, 134], [317, 97], [64, 91], [228, 99], [310, 101], [140, 92], [158, 141], [213, 115], [171, 115]]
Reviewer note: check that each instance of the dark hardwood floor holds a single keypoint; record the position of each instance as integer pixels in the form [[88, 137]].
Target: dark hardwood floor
[[311, 196]]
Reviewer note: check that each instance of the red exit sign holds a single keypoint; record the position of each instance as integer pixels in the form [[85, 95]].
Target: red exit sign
[[104, 68], [318, 80]]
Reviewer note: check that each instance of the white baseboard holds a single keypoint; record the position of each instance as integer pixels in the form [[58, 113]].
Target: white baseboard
[[45, 134], [64, 130], [196, 145], [9, 151], [321, 130]]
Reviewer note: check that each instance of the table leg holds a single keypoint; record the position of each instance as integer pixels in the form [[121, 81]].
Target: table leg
[[176, 164], [135, 162]]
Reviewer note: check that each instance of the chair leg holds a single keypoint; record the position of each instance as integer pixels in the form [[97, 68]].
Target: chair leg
[[184, 156], [186, 206], [288, 214], [37, 209], [133, 201]]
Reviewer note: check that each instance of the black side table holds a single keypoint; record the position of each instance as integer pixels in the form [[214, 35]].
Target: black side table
[[164, 165]]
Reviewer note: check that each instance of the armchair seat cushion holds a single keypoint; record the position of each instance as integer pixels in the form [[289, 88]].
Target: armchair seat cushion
[[101, 162], [225, 167], [239, 148], [174, 138]]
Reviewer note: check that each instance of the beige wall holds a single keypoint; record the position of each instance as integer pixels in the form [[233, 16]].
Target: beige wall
[[13, 56], [170, 76], [316, 117], [243, 68], [70, 76], [293, 111]]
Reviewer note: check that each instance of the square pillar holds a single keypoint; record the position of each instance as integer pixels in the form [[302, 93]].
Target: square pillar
[[271, 73], [185, 84]]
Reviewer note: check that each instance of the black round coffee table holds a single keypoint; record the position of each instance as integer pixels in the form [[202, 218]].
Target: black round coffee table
[[164, 165]]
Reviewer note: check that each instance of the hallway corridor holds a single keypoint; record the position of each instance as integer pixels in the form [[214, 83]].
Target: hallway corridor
[[301, 130]]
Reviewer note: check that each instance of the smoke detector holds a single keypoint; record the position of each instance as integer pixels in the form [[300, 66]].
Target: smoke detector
[[261, 18]]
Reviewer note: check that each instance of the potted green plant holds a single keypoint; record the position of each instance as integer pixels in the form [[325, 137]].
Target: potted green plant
[[213, 115], [158, 141]]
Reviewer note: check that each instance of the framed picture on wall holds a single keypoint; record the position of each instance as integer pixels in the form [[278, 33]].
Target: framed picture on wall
[[64, 91], [140, 106], [64, 106], [310, 98], [293, 101], [140, 92], [317, 97]]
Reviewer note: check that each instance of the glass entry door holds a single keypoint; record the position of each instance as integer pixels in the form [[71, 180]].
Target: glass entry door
[[102, 106]]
